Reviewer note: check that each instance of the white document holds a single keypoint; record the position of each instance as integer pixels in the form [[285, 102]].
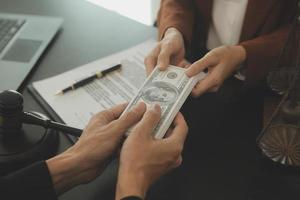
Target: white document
[[76, 107]]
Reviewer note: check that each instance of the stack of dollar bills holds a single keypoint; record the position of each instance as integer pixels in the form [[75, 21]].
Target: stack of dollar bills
[[169, 89]]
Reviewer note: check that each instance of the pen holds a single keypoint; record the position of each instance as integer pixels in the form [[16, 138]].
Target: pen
[[89, 79]]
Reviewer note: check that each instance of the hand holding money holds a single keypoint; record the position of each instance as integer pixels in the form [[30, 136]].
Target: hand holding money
[[170, 50], [221, 63], [169, 89], [138, 170]]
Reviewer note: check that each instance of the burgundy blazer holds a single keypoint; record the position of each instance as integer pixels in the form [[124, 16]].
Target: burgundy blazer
[[264, 32]]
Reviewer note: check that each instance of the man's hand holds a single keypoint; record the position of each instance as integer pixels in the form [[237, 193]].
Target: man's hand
[[100, 139], [170, 50], [221, 62], [144, 159]]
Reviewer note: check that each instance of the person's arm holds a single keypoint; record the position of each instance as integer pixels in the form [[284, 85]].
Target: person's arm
[[80, 164], [144, 159], [257, 55], [262, 54], [178, 14], [263, 51], [175, 27], [90, 155], [33, 182]]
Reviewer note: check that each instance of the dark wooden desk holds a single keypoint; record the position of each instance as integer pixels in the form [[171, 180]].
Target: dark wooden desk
[[88, 33], [220, 158]]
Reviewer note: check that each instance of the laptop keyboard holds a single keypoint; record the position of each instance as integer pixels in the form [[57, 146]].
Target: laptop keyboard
[[8, 28]]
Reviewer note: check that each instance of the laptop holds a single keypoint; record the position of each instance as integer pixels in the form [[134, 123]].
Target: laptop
[[23, 38]]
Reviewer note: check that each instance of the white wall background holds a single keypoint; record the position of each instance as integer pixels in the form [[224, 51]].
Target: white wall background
[[144, 11]]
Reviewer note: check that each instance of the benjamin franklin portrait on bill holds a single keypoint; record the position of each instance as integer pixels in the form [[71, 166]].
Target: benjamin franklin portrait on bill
[[160, 92]]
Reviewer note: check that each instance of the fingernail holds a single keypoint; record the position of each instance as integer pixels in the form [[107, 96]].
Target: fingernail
[[154, 107], [135, 107], [139, 103], [187, 72], [194, 93], [160, 67]]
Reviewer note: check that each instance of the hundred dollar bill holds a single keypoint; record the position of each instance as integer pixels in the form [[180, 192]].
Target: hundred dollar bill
[[169, 89]]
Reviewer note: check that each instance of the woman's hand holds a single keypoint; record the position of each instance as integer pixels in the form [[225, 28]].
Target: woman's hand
[[144, 159], [100, 139], [170, 50], [221, 63]]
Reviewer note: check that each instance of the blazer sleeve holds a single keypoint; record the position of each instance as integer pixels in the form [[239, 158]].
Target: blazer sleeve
[[33, 182], [263, 51], [178, 14], [262, 54]]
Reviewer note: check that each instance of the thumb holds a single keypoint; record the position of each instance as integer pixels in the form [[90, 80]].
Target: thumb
[[200, 65], [128, 119], [149, 121], [163, 59]]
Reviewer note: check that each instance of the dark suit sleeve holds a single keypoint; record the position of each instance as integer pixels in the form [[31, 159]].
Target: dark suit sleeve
[[33, 182]]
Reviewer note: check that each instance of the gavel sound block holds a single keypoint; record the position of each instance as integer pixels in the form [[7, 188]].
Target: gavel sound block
[[22, 144]]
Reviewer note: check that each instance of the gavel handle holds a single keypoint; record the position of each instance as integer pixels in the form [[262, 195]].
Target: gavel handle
[[30, 118], [63, 128]]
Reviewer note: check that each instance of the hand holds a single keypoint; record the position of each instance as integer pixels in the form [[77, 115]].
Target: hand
[[144, 159], [184, 64], [170, 50], [99, 141], [221, 62]]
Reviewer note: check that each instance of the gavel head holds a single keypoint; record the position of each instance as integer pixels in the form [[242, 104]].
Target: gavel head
[[11, 109]]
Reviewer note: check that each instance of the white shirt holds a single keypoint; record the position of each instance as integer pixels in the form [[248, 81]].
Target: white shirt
[[226, 26], [227, 22]]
